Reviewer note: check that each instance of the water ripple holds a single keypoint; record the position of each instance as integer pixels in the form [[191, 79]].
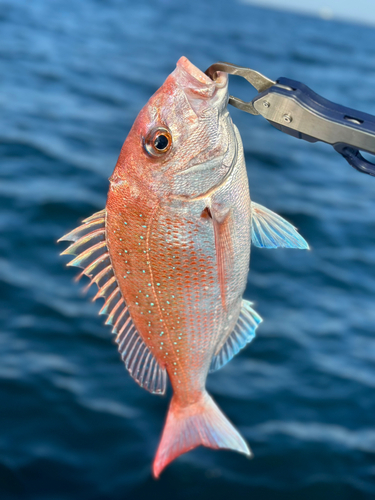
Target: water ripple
[[74, 424]]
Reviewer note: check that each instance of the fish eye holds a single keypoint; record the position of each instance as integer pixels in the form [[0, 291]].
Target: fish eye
[[158, 141]]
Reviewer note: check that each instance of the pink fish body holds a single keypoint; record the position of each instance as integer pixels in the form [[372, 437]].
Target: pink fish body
[[170, 254]]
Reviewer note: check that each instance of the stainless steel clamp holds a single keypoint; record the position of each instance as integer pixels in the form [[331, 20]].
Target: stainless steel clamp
[[296, 110]]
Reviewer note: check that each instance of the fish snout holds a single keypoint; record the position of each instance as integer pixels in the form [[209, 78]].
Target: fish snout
[[197, 83]]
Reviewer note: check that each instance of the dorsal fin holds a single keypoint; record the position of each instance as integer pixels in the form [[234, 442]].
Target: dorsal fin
[[269, 230], [242, 334], [91, 253]]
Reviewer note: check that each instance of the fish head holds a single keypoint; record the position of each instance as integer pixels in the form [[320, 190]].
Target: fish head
[[182, 143]]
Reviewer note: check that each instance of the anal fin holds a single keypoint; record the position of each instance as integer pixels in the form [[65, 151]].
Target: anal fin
[[242, 334]]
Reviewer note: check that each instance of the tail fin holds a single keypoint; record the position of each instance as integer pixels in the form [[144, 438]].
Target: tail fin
[[189, 426]]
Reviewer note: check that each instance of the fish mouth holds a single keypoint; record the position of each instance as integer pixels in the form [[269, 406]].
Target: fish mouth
[[199, 76], [198, 85]]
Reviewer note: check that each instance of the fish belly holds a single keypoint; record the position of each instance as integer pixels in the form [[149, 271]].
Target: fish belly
[[183, 263], [164, 260]]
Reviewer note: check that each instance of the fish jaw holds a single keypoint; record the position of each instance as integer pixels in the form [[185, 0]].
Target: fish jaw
[[200, 90]]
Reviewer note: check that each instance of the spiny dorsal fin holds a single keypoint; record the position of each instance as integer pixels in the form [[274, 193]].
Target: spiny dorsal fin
[[269, 230], [242, 334], [91, 253]]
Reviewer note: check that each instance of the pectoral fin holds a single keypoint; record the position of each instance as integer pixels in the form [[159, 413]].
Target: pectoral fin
[[223, 243], [269, 230]]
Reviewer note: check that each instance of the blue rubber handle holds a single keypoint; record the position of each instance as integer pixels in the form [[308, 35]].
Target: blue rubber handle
[[355, 159], [349, 131]]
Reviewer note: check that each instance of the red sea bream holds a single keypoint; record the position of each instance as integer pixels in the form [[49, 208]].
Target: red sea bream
[[170, 254]]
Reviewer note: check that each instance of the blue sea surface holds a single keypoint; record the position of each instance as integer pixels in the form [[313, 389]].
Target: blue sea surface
[[73, 424]]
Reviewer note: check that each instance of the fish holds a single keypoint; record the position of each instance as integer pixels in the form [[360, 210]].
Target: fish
[[170, 254]]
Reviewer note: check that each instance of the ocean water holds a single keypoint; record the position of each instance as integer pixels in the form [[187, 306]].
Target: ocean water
[[73, 424]]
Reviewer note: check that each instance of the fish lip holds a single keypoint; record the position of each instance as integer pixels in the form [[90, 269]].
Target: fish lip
[[194, 72], [197, 82], [221, 79]]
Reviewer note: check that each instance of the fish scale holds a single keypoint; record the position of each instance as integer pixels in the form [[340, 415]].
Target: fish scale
[[129, 251], [170, 254], [164, 273], [191, 300]]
